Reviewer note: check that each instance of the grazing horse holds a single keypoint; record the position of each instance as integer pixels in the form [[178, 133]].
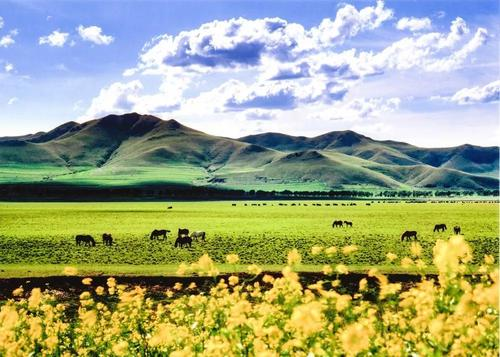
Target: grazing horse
[[198, 234], [85, 239], [159, 233], [457, 229], [348, 224], [183, 240], [409, 234], [107, 239], [337, 224], [440, 227], [182, 232]]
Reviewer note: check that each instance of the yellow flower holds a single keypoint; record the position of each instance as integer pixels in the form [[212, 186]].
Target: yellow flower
[[18, 292], [331, 251], [406, 262], [111, 282], [233, 280], [416, 249], [178, 286], [363, 284], [267, 279], [348, 249], [35, 298], [294, 257], [232, 258], [70, 271], [87, 281], [341, 269], [489, 259], [254, 269], [355, 339], [308, 318], [327, 270], [99, 290], [192, 286], [120, 348], [316, 250], [391, 256]]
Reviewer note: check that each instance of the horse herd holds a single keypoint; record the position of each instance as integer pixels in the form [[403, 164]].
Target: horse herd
[[183, 237], [407, 235]]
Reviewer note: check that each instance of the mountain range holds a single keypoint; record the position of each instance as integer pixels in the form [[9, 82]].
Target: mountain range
[[132, 148]]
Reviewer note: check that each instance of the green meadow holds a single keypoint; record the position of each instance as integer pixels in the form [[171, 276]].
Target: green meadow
[[37, 239]]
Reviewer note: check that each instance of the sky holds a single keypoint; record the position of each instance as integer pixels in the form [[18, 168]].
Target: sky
[[423, 72]]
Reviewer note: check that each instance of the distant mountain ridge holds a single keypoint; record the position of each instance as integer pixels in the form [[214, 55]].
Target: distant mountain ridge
[[135, 148]]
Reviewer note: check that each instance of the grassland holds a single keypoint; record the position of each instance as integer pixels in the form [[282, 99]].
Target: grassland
[[36, 239]]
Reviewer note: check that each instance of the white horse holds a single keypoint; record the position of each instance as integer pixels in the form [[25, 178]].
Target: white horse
[[198, 234]]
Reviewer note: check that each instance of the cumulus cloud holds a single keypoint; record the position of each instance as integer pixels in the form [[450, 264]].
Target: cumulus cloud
[[358, 109], [242, 42], [8, 67], [259, 114], [12, 100], [94, 34], [486, 94], [55, 39], [414, 24], [8, 40]]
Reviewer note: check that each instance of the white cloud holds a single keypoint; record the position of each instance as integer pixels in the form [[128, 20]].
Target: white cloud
[[2, 22], [9, 67], [259, 114], [55, 39], [414, 24], [12, 100], [8, 40], [486, 94], [94, 34], [358, 109], [242, 42]]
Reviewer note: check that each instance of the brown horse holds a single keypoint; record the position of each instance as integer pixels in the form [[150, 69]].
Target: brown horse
[[457, 230], [409, 234], [182, 232], [348, 224], [198, 234], [85, 239], [440, 227], [107, 239]]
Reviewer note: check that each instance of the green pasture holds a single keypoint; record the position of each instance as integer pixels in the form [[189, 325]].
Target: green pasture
[[38, 238]]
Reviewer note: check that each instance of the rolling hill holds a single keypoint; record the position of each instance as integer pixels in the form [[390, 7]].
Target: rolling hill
[[138, 149]]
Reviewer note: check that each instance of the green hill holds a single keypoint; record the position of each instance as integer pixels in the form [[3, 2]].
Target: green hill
[[142, 149]]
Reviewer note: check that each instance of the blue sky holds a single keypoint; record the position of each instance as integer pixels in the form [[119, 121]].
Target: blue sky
[[425, 72]]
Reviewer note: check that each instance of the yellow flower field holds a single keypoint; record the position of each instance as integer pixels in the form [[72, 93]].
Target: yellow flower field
[[268, 316]]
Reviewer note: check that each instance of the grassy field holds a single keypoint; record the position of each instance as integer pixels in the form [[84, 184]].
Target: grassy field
[[37, 239]]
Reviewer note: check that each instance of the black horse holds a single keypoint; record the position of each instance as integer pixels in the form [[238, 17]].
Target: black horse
[[183, 240], [182, 232], [457, 229], [348, 224], [440, 227], [409, 234], [85, 239], [159, 233], [337, 224], [107, 239]]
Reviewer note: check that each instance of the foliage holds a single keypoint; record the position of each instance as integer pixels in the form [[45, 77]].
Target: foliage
[[269, 316]]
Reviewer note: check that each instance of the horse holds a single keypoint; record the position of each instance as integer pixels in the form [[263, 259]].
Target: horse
[[170, 207], [198, 234], [155, 234], [337, 224], [85, 239], [440, 227], [182, 232], [457, 230], [348, 224], [409, 234], [107, 239], [182, 241]]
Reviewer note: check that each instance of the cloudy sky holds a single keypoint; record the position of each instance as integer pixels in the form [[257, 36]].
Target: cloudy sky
[[424, 72]]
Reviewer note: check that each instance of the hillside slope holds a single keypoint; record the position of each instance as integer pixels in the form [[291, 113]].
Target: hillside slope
[[134, 149]]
